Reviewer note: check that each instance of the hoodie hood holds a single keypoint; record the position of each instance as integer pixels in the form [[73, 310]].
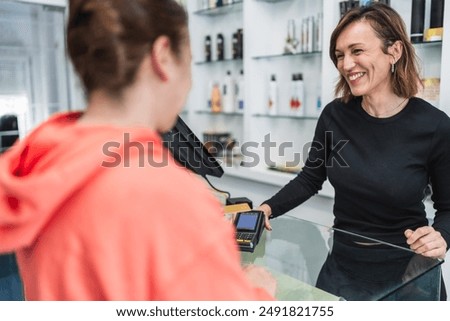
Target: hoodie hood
[[38, 174]]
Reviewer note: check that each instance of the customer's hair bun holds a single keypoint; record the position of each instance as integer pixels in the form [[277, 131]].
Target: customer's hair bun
[[108, 39], [96, 29]]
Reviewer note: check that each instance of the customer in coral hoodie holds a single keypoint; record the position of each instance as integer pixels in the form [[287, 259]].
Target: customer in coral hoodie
[[92, 203]]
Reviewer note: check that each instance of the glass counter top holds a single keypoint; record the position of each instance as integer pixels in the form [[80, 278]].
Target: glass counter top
[[315, 262]]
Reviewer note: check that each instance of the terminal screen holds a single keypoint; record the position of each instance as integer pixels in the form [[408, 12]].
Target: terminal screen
[[247, 222]]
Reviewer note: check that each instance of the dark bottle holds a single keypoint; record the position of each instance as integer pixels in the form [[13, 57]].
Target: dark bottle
[[240, 46], [437, 14], [343, 7], [207, 48], [220, 47], [9, 131], [235, 46], [353, 4], [417, 20]]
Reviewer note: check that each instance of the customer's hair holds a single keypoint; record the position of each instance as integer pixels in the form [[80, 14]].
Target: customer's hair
[[389, 27], [108, 39]]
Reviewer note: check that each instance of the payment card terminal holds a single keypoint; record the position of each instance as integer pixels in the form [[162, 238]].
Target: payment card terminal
[[249, 226]]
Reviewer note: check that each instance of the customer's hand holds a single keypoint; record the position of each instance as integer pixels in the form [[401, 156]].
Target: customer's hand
[[267, 212], [426, 241], [261, 278]]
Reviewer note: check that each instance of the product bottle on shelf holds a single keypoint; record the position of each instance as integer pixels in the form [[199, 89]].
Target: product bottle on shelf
[[220, 47], [228, 95], [436, 30], [300, 88], [235, 44], [304, 36], [310, 44], [437, 14], [273, 96], [204, 4], [216, 99], [319, 100], [240, 45], [297, 103], [417, 20], [208, 48], [240, 93], [210, 90], [294, 99], [319, 35], [291, 43]]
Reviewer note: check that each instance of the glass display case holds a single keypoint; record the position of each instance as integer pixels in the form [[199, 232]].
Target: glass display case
[[316, 262]]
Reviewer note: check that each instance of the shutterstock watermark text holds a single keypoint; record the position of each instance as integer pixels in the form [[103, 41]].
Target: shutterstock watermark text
[[251, 153]]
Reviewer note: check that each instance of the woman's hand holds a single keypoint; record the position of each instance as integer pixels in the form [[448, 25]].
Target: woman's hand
[[267, 212], [426, 241]]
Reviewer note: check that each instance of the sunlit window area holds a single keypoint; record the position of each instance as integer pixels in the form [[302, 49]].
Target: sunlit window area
[[33, 66]]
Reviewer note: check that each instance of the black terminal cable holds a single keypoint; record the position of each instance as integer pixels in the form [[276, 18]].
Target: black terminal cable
[[217, 190]]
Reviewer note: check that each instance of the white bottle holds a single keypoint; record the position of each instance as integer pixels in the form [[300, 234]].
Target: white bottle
[[304, 42], [319, 101], [272, 103], [300, 93], [319, 35], [240, 91], [204, 4], [293, 100], [228, 96], [310, 34], [209, 95]]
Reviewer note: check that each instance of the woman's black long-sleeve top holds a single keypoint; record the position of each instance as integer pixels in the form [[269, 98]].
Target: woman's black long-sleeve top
[[379, 168]]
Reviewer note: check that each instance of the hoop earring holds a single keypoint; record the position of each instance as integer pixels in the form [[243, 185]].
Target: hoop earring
[[392, 68]]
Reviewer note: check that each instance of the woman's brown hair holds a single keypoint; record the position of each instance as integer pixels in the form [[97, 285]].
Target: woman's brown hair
[[389, 27], [108, 39]]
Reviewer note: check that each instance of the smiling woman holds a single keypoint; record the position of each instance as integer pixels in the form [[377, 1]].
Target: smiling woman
[[375, 41], [380, 191]]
